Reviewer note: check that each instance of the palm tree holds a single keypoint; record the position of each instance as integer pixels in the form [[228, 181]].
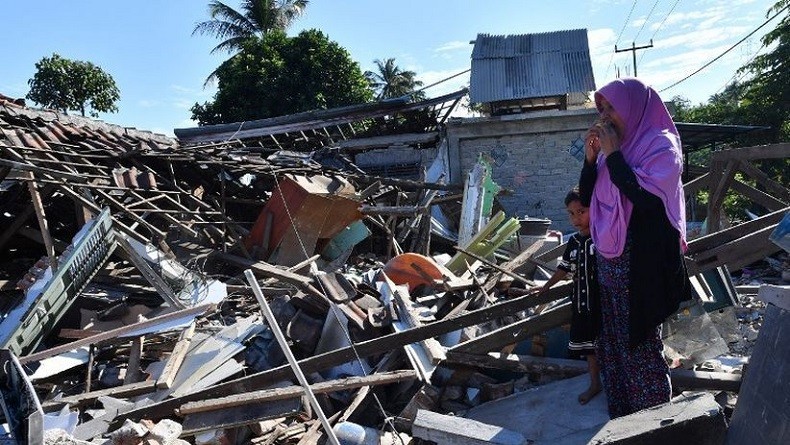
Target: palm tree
[[254, 18], [391, 82]]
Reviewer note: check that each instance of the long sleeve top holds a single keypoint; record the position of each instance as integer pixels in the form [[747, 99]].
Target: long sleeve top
[[658, 280]]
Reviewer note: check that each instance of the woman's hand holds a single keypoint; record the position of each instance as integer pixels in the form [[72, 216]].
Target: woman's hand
[[592, 145], [608, 140]]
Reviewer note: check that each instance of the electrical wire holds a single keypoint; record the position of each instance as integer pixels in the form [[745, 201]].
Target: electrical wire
[[659, 27], [735, 77], [633, 5], [646, 20], [727, 51]]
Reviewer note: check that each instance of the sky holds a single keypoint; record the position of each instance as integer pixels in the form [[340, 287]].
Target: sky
[[147, 46]]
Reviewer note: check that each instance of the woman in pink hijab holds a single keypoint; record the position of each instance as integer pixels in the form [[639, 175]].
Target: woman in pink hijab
[[632, 181]]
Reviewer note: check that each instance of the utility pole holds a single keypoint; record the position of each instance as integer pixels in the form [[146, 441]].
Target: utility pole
[[633, 49]]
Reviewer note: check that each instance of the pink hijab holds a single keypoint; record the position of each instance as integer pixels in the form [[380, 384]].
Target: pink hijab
[[651, 147]]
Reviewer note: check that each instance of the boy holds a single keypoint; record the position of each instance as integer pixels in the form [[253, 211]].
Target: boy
[[579, 259]]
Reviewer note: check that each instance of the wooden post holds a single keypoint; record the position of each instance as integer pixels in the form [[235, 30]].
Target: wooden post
[[38, 206], [267, 313]]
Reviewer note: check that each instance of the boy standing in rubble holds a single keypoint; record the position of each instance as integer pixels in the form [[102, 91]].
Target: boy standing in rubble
[[579, 259]]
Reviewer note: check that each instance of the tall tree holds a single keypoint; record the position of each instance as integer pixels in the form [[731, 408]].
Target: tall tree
[[65, 84], [389, 81], [278, 75], [254, 19], [767, 89]]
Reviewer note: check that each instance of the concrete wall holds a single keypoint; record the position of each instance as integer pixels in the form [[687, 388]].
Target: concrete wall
[[386, 160], [531, 155]]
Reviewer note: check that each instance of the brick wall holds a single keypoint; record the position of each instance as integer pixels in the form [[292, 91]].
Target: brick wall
[[532, 156]]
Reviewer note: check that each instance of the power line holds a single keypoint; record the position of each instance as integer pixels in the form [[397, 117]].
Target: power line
[[646, 20], [735, 77], [633, 5], [725, 52], [660, 26]]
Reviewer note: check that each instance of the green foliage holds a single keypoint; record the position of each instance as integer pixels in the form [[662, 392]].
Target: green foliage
[[65, 84], [255, 19], [390, 82], [276, 75], [763, 99]]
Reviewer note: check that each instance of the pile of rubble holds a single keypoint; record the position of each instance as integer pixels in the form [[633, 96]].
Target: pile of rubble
[[240, 293]]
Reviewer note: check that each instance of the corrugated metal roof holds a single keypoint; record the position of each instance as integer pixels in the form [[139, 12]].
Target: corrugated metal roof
[[530, 65]]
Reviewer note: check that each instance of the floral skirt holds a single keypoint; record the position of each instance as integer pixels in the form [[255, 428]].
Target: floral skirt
[[633, 378]]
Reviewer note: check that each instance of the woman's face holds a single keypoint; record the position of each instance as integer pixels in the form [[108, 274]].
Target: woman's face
[[608, 114]]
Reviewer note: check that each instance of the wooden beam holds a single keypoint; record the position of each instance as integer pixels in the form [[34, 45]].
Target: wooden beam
[[518, 331], [22, 218], [264, 269], [772, 151], [275, 328], [719, 189], [115, 333], [133, 367], [518, 363], [716, 239], [176, 358], [131, 390], [737, 253], [758, 196], [295, 391], [683, 378], [697, 184], [774, 188]]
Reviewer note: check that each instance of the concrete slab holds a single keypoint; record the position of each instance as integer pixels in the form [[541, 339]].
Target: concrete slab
[[695, 418], [548, 414]]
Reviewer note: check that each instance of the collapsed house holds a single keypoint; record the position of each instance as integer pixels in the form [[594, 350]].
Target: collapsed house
[[341, 275]]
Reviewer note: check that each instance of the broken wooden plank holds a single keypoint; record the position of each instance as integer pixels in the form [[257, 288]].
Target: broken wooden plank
[[133, 367], [681, 378], [735, 254], [238, 416], [131, 390], [518, 363], [517, 331], [290, 392], [176, 358], [267, 270], [505, 270], [38, 206], [118, 332], [716, 239]]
